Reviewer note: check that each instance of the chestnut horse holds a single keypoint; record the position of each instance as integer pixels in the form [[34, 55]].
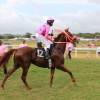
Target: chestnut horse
[[25, 56]]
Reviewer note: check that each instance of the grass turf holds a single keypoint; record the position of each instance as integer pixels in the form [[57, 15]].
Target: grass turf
[[86, 72]]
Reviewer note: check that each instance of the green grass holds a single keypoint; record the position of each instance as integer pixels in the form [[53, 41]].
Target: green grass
[[18, 42], [86, 72]]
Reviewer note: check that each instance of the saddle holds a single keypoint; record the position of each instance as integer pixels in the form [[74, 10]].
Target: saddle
[[46, 54], [41, 52]]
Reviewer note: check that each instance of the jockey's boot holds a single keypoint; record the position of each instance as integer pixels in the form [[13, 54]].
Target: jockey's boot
[[51, 47], [47, 56], [39, 45]]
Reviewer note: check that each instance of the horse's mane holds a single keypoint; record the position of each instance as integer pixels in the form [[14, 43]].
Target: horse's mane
[[58, 37], [69, 33], [66, 34]]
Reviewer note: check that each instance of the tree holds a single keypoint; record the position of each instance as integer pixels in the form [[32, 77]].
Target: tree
[[1, 37], [27, 35], [9, 36]]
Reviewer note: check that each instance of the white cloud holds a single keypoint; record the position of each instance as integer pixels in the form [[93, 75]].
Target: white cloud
[[59, 1], [94, 1], [12, 20], [67, 2], [81, 21]]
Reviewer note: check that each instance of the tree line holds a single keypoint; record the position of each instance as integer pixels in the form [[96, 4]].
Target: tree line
[[11, 36], [89, 35], [28, 35]]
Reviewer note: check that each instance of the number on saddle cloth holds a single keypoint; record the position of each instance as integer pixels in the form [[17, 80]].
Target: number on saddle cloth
[[41, 52]]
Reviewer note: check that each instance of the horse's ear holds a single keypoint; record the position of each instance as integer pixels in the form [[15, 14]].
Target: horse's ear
[[67, 30]]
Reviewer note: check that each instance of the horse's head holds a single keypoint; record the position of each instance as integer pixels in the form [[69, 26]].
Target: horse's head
[[65, 36], [70, 37]]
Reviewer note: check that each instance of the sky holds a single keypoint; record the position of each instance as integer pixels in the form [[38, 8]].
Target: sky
[[21, 16]]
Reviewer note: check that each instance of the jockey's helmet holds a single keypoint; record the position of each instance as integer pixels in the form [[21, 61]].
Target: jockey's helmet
[[50, 21]]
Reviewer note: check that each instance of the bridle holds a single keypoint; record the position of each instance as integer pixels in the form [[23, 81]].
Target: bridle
[[67, 37]]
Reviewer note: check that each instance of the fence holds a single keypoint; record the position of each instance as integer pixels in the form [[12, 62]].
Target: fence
[[76, 51], [11, 46], [87, 51]]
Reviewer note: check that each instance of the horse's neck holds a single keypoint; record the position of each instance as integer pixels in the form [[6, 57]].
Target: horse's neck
[[61, 46]]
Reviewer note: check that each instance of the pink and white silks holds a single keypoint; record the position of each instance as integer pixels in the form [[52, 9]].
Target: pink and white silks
[[41, 33]]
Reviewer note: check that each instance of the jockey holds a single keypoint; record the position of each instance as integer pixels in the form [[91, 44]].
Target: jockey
[[42, 35]]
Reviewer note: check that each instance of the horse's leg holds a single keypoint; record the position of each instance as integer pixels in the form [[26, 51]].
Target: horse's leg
[[5, 69], [69, 54], [63, 68], [23, 77], [3, 66], [10, 72], [51, 76]]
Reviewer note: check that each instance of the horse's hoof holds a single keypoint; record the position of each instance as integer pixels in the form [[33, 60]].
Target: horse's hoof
[[29, 88], [50, 86], [74, 82], [2, 86]]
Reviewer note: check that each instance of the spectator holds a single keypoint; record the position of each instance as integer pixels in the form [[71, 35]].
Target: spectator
[[91, 45], [23, 44], [69, 48]]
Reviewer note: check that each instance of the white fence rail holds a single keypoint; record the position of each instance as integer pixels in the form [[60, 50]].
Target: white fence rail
[[76, 50], [11, 46], [87, 50]]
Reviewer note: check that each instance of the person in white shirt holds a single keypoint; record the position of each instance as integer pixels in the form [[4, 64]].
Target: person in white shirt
[[69, 48]]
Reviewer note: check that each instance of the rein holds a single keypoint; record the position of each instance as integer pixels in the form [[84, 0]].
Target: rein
[[60, 42], [67, 36]]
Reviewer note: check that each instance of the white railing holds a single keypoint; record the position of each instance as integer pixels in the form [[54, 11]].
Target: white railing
[[87, 50], [76, 50], [11, 46]]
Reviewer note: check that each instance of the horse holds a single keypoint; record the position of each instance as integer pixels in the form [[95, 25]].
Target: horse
[[25, 56]]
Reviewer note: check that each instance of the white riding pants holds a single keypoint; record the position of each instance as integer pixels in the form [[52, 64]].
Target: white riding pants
[[46, 42]]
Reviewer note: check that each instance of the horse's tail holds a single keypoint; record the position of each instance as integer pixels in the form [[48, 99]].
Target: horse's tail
[[6, 57]]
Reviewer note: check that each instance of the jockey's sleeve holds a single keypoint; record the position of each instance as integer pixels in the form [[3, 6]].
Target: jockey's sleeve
[[47, 29], [47, 32], [48, 37]]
